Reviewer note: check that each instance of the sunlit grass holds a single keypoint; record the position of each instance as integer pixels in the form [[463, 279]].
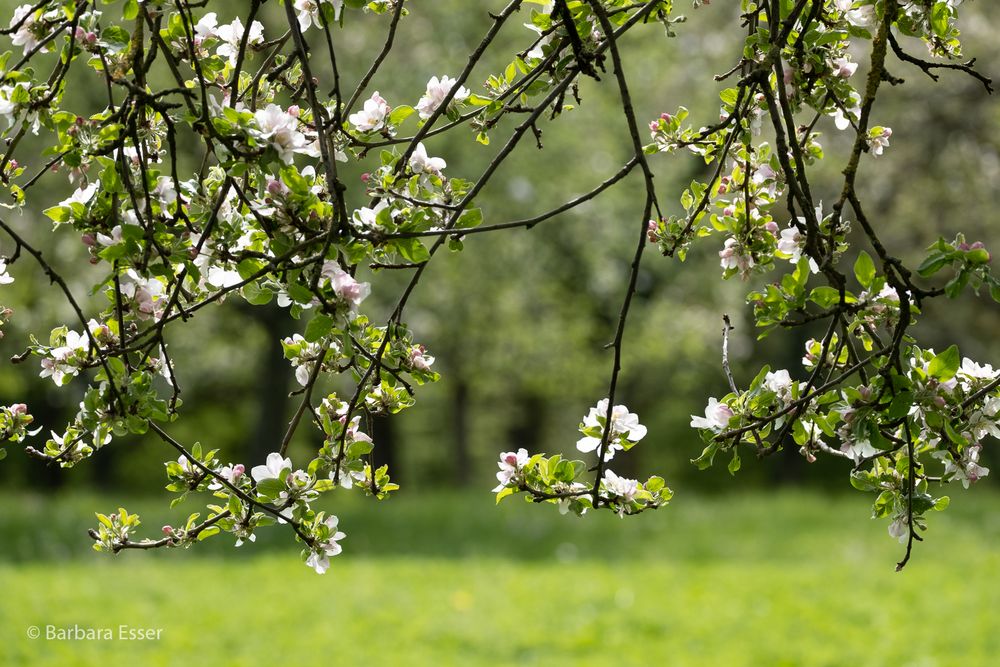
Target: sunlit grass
[[764, 579]]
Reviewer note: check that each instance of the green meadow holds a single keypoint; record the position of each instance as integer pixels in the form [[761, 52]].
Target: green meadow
[[786, 578]]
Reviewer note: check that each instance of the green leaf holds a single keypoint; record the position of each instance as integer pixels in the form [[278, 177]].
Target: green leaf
[[704, 462], [734, 463], [864, 269], [503, 493], [270, 488], [939, 18], [400, 113], [58, 213], [932, 264], [900, 405], [318, 327], [471, 218], [208, 532], [944, 366], [412, 250]]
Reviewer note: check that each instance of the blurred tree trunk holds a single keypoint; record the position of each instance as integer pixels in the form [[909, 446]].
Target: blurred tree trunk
[[460, 431], [385, 453], [272, 393], [526, 424]]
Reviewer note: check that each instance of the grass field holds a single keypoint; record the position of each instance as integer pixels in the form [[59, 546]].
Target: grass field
[[781, 579]]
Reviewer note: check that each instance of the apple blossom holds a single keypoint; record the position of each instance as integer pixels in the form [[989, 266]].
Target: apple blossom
[[5, 278], [716, 419], [624, 426], [372, 115], [437, 90], [280, 128], [273, 468], [24, 20], [420, 163], [344, 285], [510, 464], [232, 34]]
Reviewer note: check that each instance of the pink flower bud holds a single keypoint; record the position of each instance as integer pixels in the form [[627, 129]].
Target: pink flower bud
[[91, 38], [88, 240], [977, 245], [866, 392], [653, 126], [238, 471], [665, 116], [19, 409], [80, 33], [294, 111], [365, 176], [772, 227], [729, 211], [274, 186], [510, 459], [168, 531]]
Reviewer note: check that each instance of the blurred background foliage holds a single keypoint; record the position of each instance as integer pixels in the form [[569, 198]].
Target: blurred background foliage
[[518, 320]]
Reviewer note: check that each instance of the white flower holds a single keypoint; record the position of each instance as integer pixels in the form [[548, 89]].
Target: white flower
[[732, 256], [272, 468], [372, 115], [862, 16], [621, 488], [510, 464], [367, 218], [900, 528], [24, 36], [843, 67], [970, 370], [878, 140], [344, 285], [114, 239], [230, 473], [419, 358], [717, 416], [8, 109], [437, 90], [623, 423], [222, 278], [319, 559], [5, 278], [206, 27], [967, 470], [147, 295], [81, 196], [780, 382], [853, 109], [420, 163], [281, 129], [309, 12], [231, 36], [165, 191]]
